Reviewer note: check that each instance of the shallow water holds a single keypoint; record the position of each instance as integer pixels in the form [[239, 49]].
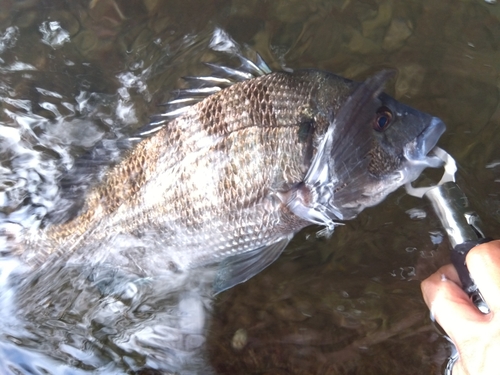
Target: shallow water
[[76, 73]]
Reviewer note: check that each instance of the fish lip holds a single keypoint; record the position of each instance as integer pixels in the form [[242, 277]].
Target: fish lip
[[428, 139]]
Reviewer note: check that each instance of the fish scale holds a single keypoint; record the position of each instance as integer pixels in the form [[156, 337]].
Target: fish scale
[[236, 175]]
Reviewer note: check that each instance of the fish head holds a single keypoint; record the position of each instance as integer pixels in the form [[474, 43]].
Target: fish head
[[374, 145], [401, 142]]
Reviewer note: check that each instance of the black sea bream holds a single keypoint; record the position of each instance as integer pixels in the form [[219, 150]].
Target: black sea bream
[[231, 178], [114, 280]]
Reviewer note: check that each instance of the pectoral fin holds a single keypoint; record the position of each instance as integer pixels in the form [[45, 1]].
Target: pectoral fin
[[239, 268]]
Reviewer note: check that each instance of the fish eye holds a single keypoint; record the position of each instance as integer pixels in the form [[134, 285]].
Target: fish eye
[[383, 119]]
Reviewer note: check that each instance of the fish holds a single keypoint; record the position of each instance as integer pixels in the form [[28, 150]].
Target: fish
[[240, 162]]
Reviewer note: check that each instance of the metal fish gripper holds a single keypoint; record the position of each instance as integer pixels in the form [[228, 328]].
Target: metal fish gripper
[[461, 223]]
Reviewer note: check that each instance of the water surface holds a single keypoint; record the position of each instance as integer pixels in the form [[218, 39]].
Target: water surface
[[76, 73]]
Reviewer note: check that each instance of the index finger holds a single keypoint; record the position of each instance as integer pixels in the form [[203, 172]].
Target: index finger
[[483, 262]]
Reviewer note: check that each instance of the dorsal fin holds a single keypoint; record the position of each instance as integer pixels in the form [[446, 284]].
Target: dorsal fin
[[201, 87]]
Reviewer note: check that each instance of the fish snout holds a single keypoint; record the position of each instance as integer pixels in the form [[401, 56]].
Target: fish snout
[[428, 139]]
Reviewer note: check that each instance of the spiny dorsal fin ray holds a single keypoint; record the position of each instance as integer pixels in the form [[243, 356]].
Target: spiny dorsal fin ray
[[260, 68], [262, 65], [207, 81], [234, 74]]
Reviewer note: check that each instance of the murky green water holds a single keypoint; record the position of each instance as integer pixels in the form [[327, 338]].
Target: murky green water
[[77, 71]]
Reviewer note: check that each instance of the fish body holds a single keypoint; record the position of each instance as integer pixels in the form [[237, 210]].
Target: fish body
[[237, 174]]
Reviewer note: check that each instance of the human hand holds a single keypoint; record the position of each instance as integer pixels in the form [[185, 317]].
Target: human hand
[[475, 335]]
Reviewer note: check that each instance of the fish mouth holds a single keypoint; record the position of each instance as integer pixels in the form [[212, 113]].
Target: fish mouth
[[427, 140]]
